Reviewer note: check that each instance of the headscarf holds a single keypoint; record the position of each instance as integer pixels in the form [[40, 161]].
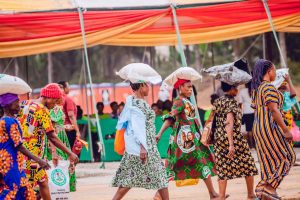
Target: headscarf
[[8, 98], [52, 90], [180, 82]]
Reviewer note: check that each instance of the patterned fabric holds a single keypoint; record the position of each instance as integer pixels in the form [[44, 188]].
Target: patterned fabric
[[288, 118], [242, 164], [35, 122], [276, 155], [132, 172], [188, 158], [15, 184], [57, 116]]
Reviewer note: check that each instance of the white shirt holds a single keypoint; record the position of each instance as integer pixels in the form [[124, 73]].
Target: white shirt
[[245, 100]]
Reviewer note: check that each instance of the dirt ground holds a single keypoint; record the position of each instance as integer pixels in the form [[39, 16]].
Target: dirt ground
[[94, 184]]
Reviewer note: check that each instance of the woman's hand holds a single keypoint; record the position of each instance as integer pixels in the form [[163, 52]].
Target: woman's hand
[[231, 152], [288, 135], [157, 137], [43, 164], [143, 154]]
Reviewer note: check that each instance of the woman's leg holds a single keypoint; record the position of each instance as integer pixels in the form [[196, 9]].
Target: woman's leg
[[121, 193], [210, 187], [164, 193], [250, 186], [222, 189]]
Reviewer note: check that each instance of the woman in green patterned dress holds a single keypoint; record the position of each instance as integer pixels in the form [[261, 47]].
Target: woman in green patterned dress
[[188, 158], [141, 165], [55, 154]]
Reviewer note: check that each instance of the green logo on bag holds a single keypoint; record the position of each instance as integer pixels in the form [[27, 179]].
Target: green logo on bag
[[58, 177], [206, 171]]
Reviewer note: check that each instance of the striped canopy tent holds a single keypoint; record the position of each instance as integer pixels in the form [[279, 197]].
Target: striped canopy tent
[[30, 27]]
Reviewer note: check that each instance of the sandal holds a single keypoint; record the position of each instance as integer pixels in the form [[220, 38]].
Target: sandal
[[271, 196]]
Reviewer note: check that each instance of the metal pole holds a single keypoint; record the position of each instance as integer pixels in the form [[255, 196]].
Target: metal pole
[[183, 59], [101, 139], [87, 109]]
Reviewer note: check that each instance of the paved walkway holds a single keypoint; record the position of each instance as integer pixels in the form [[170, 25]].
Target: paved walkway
[[94, 184]]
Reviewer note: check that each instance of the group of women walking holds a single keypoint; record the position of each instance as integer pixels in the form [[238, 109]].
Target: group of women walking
[[188, 158]]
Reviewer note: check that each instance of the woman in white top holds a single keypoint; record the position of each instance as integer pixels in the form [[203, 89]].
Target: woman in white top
[[248, 112]]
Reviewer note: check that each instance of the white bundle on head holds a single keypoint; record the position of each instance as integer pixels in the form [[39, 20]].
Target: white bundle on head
[[229, 74], [280, 73], [139, 72], [186, 73], [13, 85]]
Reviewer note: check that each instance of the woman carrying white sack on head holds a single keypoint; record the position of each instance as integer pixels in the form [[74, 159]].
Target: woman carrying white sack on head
[[141, 165]]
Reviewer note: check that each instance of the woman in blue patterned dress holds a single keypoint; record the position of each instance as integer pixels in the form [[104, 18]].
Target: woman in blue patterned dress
[[13, 181]]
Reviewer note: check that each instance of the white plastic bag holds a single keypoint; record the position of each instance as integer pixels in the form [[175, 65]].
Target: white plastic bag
[[13, 84], [139, 72], [58, 180], [229, 74], [186, 73], [280, 73]]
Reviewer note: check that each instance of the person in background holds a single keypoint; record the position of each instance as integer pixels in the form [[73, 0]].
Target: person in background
[[13, 181], [101, 114], [167, 107], [233, 156], [276, 157], [80, 115], [114, 108], [156, 110], [70, 111], [213, 98], [121, 107], [34, 117], [160, 104], [245, 100], [289, 100]]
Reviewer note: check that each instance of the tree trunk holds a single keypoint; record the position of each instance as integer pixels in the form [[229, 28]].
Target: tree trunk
[[16, 64], [198, 58], [283, 50], [236, 49], [188, 55], [50, 68], [269, 41]]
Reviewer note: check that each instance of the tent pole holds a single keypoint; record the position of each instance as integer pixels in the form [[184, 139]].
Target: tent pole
[[87, 109], [91, 82], [183, 59], [274, 32]]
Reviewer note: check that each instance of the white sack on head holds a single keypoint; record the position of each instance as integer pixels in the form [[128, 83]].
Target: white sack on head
[[230, 74], [280, 73], [139, 72], [186, 73], [13, 84]]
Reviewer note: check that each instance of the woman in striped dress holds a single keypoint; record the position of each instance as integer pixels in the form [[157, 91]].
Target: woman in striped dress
[[272, 136]]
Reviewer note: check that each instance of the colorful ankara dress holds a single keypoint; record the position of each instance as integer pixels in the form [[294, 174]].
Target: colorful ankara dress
[[275, 153], [188, 158], [242, 165], [35, 122], [14, 184], [57, 116], [132, 172], [288, 103]]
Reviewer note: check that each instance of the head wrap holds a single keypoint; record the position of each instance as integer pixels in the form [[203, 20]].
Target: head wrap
[[52, 90], [180, 82], [8, 98]]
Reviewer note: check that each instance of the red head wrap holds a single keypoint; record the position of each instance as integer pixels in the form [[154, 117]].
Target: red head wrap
[[180, 82]]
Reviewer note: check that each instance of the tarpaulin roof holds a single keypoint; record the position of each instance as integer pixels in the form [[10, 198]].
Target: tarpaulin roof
[[59, 30]]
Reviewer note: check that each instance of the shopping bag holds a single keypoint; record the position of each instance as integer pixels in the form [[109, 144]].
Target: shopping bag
[[59, 180], [119, 145], [186, 182]]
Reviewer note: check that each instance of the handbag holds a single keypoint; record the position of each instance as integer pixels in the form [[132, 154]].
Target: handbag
[[207, 133], [119, 144], [78, 144]]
